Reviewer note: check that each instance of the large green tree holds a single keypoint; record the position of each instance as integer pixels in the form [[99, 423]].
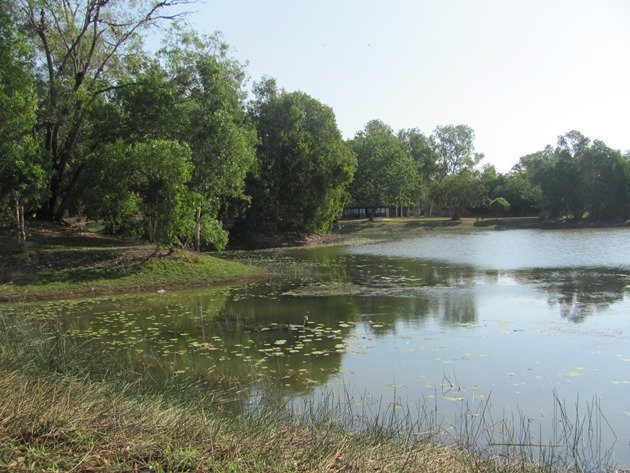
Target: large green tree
[[386, 174], [305, 166], [191, 92], [80, 46], [22, 172], [455, 146], [579, 177]]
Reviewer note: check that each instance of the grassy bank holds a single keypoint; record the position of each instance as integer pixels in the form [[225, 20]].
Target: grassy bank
[[59, 414], [351, 231], [59, 423], [62, 262]]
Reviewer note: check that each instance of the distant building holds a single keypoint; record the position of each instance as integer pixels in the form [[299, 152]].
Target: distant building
[[363, 212]]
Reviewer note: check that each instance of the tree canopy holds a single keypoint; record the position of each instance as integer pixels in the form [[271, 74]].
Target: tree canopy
[[579, 177], [304, 165], [166, 145], [386, 174], [80, 51], [455, 145], [22, 171]]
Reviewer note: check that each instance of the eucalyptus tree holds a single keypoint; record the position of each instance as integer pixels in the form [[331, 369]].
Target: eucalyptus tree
[[455, 145], [304, 165], [80, 49]]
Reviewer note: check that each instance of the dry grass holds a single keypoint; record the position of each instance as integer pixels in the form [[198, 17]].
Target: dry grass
[[59, 423]]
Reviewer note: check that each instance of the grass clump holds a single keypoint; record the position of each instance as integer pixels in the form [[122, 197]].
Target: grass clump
[[60, 423]]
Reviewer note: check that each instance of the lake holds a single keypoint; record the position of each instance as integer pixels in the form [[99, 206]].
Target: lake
[[498, 335]]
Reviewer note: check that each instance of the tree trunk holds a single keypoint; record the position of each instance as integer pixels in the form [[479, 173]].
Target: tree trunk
[[371, 213], [198, 230], [19, 219]]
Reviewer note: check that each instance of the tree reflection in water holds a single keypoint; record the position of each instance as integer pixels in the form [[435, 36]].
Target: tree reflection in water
[[580, 292]]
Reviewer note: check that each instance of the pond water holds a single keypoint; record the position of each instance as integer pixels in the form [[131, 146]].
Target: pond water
[[493, 330]]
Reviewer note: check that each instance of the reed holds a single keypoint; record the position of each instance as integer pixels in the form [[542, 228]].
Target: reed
[[66, 406]]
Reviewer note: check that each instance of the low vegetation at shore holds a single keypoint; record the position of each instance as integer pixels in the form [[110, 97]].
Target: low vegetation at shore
[[62, 412], [64, 262], [364, 230]]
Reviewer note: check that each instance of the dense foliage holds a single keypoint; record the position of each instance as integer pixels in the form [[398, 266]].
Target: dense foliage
[[22, 170], [579, 177], [304, 165], [166, 146], [386, 174]]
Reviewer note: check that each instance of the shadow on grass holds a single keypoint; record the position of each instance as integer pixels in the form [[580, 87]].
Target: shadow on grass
[[432, 224], [81, 275], [393, 225]]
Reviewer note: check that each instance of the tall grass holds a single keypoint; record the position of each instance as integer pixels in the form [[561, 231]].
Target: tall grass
[[572, 439], [66, 406]]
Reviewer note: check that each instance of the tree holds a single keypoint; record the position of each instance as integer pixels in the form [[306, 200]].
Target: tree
[[386, 174], [578, 177], [522, 194], [22, 173], [457, 193], [142, 191], [80, 46], [455, 145], [207, 105], [423, 152], [305, 167], [499, 207], [539, 169], [606, 175], [192, 92]]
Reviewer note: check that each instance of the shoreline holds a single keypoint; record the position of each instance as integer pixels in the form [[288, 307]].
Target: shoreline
[[67, 262], [62, 262]]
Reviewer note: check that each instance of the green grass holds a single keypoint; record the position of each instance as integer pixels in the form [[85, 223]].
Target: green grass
[[407, 226], [173, 271]]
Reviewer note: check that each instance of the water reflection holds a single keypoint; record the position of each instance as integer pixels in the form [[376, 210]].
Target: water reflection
[[382, 321], [579, 293], [460, 308]]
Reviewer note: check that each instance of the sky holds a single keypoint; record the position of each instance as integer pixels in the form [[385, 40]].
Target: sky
[[520, 73]]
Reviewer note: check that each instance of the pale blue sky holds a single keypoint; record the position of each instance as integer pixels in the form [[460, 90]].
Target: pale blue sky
[[518, 72]]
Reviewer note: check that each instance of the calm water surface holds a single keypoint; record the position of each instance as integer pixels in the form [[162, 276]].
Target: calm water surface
[[450, 320]]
